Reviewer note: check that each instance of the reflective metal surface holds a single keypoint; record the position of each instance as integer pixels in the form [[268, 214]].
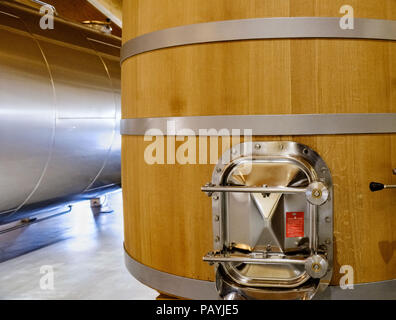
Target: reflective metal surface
[[269, 125], [169, 283], [59, 112], [206, 290], [259, 28], [269, 235], [226, 286]]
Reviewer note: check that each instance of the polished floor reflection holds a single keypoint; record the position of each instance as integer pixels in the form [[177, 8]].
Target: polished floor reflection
[[78, 255]]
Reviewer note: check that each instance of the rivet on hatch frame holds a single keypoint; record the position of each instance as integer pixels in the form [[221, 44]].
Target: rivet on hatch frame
[[257, 146], [216, 218], [327, 219], [217, 239], [218, 170], [215, 197], [328, 241]]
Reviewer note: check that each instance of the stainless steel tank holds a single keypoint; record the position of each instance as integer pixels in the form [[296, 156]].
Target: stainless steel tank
[[59, 112]]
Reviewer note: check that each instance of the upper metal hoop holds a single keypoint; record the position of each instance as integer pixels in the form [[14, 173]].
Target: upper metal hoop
[[261, 28]]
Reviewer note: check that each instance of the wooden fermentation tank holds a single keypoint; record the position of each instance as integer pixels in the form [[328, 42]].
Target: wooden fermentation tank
[[168, 220]]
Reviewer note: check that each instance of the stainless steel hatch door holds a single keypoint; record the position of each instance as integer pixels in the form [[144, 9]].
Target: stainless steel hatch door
[[272, 213]]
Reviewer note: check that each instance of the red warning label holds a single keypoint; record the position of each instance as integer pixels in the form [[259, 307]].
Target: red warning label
[[294, 224]]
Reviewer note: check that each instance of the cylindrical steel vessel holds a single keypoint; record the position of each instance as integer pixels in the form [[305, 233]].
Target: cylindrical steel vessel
[[194, 71], [60, 111]]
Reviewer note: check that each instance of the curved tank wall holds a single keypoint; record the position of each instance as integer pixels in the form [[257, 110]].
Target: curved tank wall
[[59, 112]]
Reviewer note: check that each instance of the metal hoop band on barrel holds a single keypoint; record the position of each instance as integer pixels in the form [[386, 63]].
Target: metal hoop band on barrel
[[261, 28], [265, 125], [205, 290], [170, 283]]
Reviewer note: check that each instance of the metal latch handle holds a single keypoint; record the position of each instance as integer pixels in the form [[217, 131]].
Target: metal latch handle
[[316, 193], [376, 186], [315, 265], [217, 258], [284, 190]]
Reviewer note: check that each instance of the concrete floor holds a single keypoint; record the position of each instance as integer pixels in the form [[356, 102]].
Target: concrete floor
[[84, 251]]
